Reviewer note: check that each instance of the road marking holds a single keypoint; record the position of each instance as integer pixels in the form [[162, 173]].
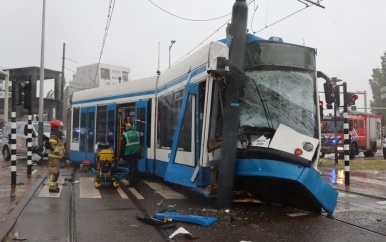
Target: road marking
[[46, 193], [34, 171], [135, 193], [122, 193], [164, 191], [87, 188], [298, 214], [368, 180], [5, 190], [382, 203], [344, 194]]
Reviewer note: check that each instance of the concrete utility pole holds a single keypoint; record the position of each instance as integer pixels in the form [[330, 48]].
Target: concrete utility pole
[[41, 93], [231, 106], [61, 109]]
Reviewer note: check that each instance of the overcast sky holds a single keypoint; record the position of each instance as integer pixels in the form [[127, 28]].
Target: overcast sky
[[349, 36]]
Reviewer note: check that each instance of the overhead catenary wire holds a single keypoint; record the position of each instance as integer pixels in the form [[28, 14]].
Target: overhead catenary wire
[[109, 16], [278, 21], [189, 19], [208, 36], [255, 9]]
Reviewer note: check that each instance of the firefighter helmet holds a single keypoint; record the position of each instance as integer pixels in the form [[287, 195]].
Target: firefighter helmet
[[55, 124]]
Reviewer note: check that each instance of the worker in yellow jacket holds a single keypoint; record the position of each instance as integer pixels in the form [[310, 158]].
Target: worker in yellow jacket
[[55, 154]]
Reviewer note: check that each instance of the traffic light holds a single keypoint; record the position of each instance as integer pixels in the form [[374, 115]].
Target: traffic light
[[321, 108], [351, 98], [337, 96]]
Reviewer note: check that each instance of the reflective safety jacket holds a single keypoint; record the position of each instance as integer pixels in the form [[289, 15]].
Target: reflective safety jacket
[[56, 147], [130, 143]]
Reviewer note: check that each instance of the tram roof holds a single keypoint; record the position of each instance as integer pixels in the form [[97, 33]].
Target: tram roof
[[194, 67]]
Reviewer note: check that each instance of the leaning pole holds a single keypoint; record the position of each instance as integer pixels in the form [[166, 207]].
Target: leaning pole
[[231, 105]]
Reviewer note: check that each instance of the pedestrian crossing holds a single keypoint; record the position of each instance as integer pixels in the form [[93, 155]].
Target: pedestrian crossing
[[87, 190], [45, 191]]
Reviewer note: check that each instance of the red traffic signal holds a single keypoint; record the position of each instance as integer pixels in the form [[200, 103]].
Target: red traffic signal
[[351, 98], [354, 97]]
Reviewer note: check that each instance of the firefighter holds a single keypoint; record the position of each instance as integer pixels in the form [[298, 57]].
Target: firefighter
[[55, 154]]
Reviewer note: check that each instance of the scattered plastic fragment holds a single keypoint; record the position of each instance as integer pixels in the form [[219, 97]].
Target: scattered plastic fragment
[[183, 231], [171, 207], [227, 210], [155, 222], [201, 220]]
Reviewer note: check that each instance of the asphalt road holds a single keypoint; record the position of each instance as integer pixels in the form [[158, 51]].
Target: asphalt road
[[110, 214]]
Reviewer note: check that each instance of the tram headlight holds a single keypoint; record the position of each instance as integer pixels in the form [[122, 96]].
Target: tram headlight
[[307, 146]]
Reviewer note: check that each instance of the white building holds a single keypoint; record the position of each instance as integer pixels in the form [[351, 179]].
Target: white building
[[88, 77]]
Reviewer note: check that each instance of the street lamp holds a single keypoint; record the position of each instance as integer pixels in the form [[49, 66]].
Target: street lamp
[[170, 47]]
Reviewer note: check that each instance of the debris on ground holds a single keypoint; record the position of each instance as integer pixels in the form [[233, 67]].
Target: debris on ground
[[175, 216], [165, 224], [182, 231]]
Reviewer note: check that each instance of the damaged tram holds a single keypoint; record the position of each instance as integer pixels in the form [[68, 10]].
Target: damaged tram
[[179, 115]]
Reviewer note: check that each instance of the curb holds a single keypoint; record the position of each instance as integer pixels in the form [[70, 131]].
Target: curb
[[11, 218]]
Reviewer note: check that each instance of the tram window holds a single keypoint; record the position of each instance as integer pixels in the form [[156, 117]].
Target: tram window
[[90, 138], [82, 132], [110, 127], [168, 110], [75, 125], [148, 123], [165, 121], [185, 139], [101, 124]]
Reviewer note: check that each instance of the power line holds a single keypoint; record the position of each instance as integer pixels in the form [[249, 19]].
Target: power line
[[188, 19], [278, 21], [70, 70], [109, 16], [71, 60]]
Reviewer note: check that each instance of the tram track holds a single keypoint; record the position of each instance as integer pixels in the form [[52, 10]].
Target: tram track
[[72, 212], [163, 233], [353, 225]]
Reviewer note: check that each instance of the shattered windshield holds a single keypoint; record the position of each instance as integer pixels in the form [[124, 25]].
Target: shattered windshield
[[288, 96]]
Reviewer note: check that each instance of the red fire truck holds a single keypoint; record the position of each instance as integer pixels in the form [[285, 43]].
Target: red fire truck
[[365, 131]]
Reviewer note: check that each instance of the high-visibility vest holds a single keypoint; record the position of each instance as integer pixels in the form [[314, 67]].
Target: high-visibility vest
[[133, 146]]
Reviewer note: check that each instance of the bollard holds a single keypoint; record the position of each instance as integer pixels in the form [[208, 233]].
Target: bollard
[[29, 146], [13, 148]]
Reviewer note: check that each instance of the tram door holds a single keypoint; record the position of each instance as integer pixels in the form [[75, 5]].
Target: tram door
[[87, 134], [141, 126]]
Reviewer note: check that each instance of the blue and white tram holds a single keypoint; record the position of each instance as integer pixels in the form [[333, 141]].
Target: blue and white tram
[[179, 117]]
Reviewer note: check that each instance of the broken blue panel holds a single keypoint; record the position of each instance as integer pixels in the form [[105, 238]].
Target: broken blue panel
[[175, 216]]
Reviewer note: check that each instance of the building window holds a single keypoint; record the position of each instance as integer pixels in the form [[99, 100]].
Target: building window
[[105, 73], [125, 76]]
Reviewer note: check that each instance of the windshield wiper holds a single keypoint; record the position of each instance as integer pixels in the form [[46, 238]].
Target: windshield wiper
[[265, 108]]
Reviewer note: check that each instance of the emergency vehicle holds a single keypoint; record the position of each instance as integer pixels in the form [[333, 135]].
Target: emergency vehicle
[[365, 131]]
